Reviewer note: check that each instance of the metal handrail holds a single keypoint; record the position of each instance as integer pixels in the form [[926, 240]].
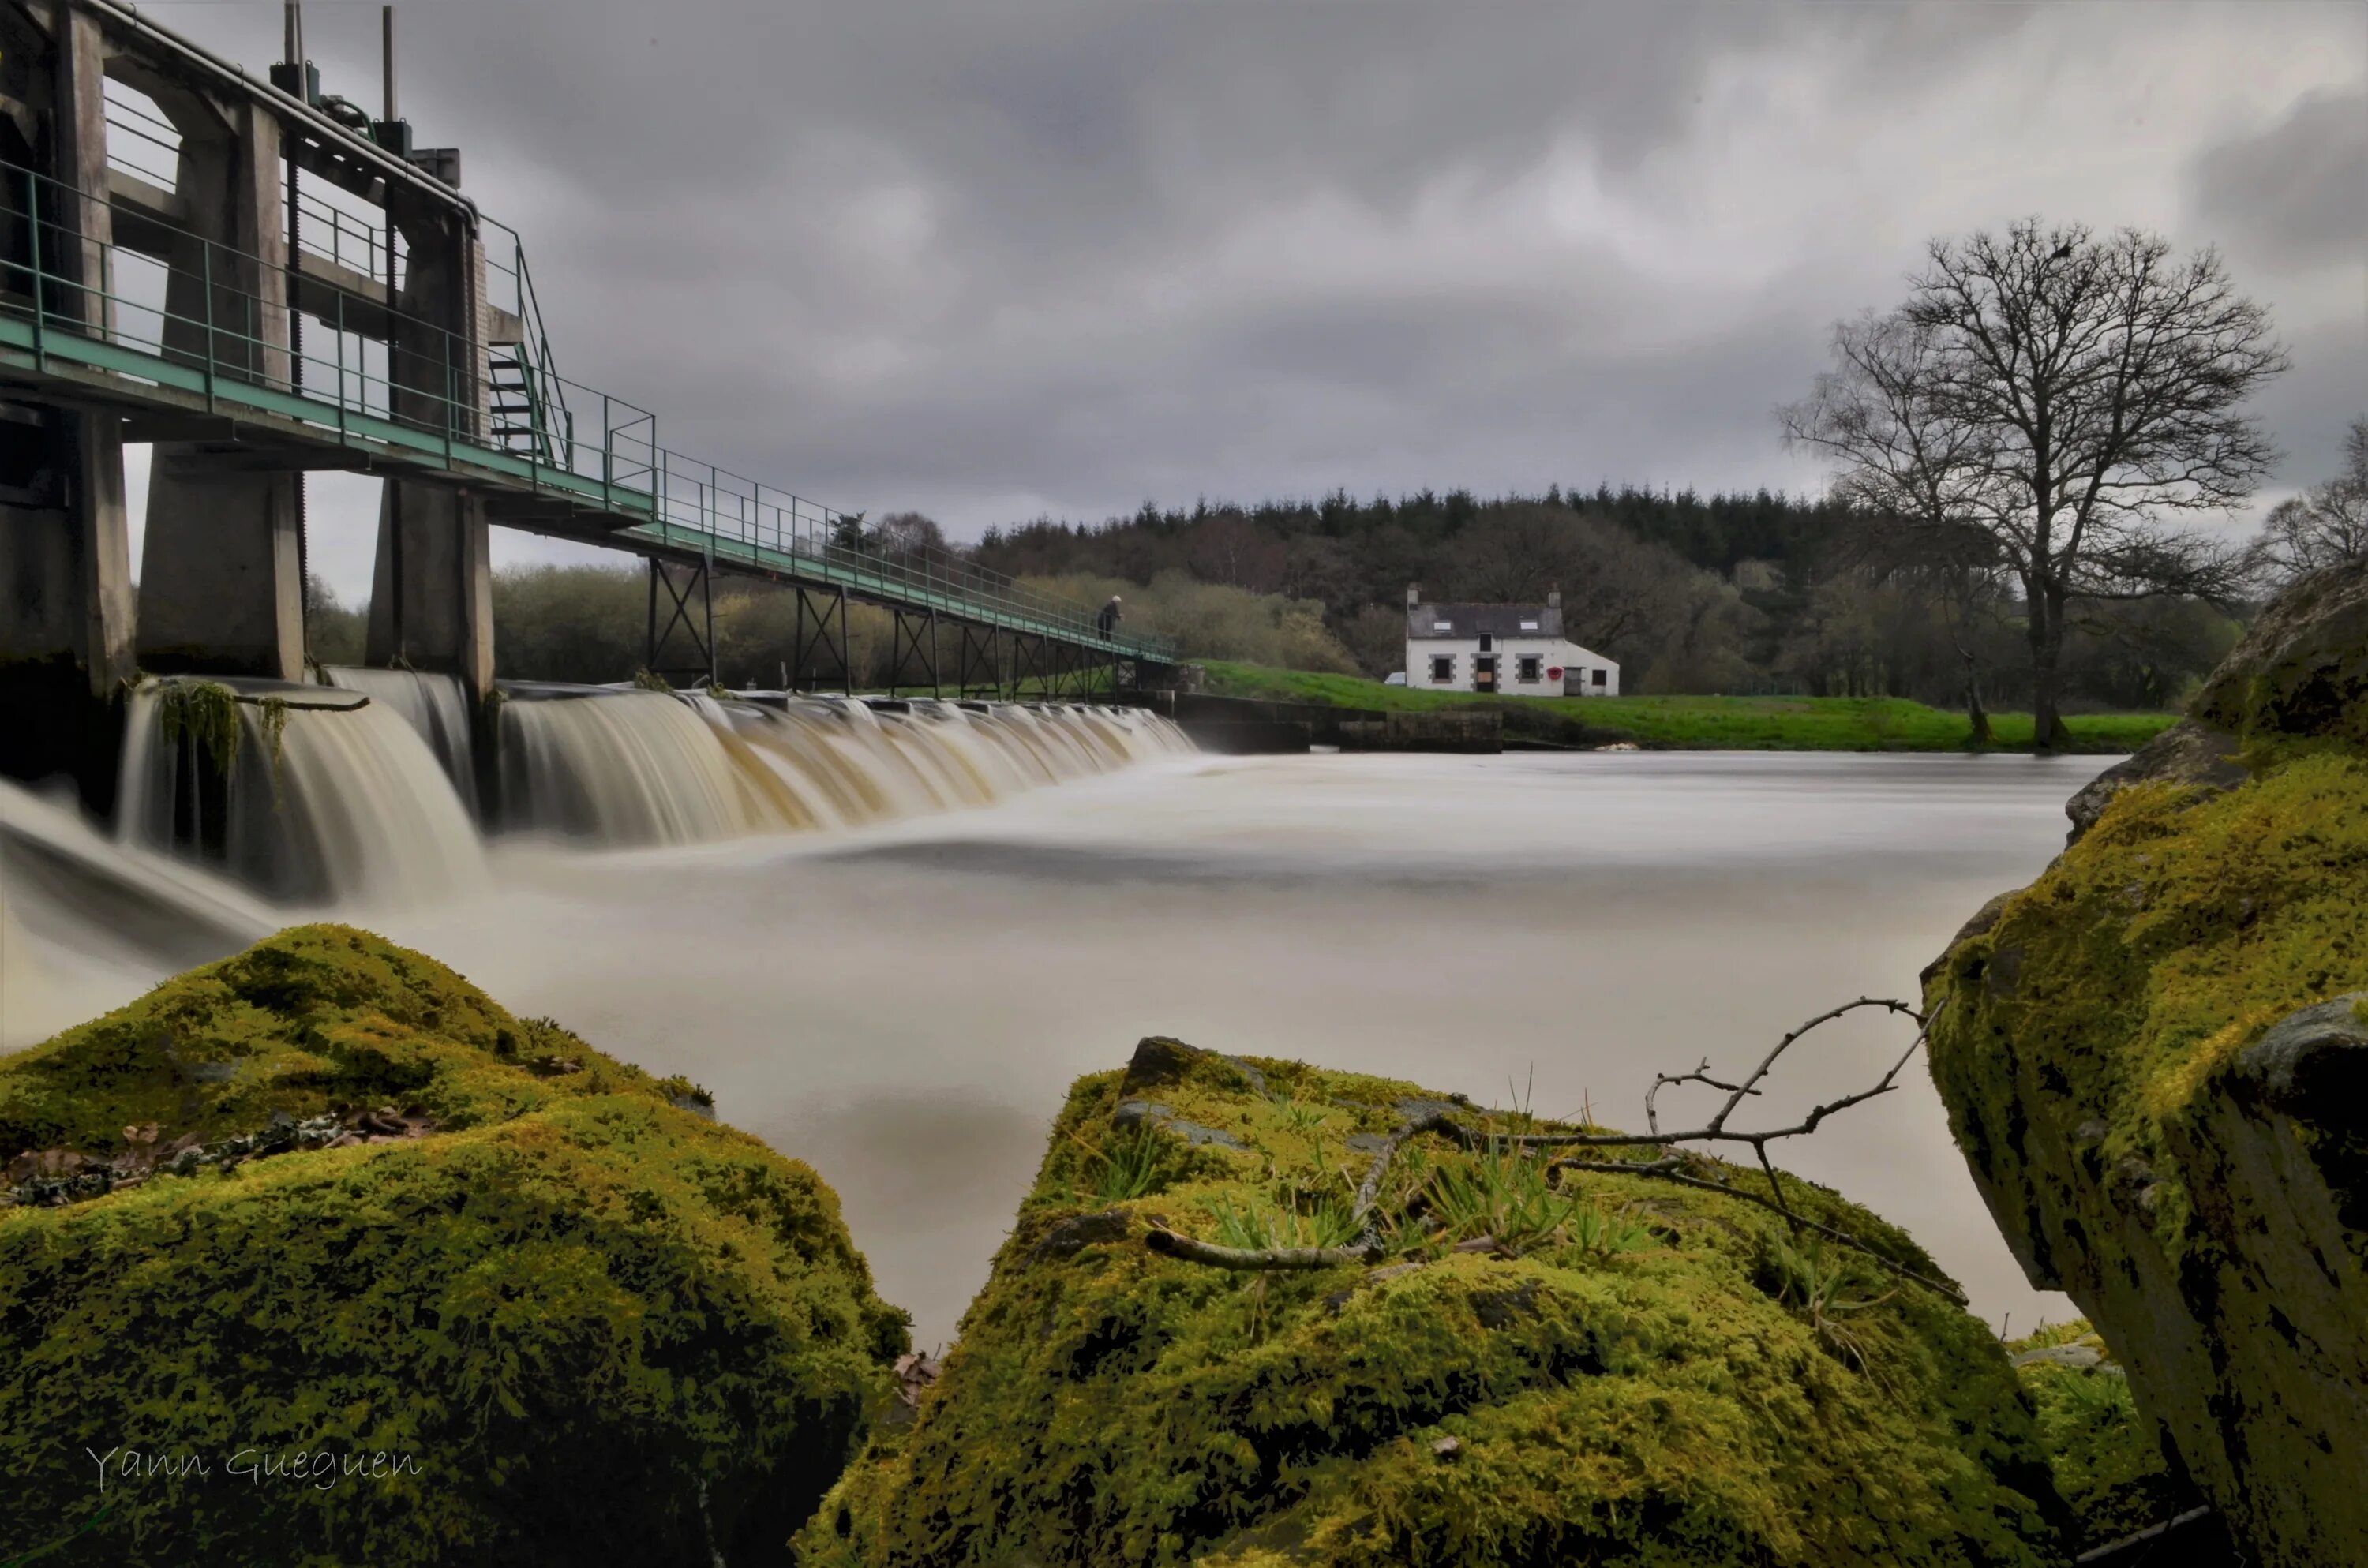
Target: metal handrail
[[660, 495]]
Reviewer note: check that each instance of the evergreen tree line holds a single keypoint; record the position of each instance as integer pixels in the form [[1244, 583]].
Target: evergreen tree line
[[1754, 593]]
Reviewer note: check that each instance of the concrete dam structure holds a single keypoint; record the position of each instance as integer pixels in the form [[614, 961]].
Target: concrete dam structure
[[261, 279]]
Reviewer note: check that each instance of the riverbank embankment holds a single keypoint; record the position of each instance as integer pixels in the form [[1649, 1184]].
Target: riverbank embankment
[[1692, 724]]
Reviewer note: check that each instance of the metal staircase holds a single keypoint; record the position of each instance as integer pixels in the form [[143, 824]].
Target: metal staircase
[[526, 419]]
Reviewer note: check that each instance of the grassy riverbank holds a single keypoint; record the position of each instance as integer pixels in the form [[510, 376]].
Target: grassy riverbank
[[1702, 723]]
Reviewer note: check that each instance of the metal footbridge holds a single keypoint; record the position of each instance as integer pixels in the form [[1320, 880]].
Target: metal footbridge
[[187, 340]]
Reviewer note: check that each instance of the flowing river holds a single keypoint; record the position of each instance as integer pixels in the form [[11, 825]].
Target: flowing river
[[901, 1000]]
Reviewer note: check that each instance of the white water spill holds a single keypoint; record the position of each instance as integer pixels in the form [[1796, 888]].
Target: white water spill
[[87, 924], [432, 704], [353, 809], [626, 767], [904, 1005]]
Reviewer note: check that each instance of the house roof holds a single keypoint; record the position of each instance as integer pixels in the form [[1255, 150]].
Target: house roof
[[1465, 621]]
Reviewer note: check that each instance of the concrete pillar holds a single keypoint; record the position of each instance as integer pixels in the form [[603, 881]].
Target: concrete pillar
[[65, 567], [219, 588], [431, 593], [436, 612]]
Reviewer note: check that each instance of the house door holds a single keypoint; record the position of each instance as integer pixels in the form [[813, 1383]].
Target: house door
[[1484, 673]]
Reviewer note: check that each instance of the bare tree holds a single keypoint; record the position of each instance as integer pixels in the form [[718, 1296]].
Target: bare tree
[[2061, 395], [2324, 526], [909, 533]]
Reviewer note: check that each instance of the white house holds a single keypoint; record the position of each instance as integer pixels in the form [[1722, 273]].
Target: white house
[[1513, 650]]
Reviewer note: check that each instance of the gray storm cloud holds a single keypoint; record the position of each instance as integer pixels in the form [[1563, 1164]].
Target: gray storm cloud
[[992, 261]]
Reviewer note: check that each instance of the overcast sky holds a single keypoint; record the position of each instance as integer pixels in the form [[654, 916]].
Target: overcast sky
[[990, 260]]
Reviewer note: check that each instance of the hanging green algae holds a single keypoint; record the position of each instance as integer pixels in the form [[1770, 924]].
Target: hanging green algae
[[584, 1325], [1647, 1375]]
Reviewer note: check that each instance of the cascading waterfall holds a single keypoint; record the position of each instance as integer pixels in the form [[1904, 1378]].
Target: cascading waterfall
[[435, 705], [628, 766], [344, 805], [354, 793]]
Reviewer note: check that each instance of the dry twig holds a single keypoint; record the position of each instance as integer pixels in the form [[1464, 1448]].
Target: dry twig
[[1665, 1166]]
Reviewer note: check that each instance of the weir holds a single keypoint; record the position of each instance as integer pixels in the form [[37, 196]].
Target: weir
[[361, 793], [262, 280]]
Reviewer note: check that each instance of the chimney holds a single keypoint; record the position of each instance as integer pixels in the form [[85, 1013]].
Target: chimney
[[1414, 595], [1553, 598]]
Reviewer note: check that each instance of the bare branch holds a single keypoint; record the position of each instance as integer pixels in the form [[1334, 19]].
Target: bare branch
[[1256, 1259], [1662, 1166]]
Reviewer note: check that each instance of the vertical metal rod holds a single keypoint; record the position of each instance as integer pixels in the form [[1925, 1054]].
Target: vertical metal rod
[[846, 654], [386, 56], [650, 643], [707, 595], [41, 304], [398, 654], [205, 283]]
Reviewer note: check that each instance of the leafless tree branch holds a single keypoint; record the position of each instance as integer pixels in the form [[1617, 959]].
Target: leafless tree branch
[[1662, 1165]]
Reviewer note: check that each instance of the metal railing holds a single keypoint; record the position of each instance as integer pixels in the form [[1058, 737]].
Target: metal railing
[[201, 330]]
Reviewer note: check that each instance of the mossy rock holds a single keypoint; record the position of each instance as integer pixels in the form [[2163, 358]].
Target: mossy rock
[[2155, 1061], [2108, 1460], [583, 1324], [1660, 1376]]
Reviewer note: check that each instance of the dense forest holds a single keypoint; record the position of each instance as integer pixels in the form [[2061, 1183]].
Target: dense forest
[[1754, 593]]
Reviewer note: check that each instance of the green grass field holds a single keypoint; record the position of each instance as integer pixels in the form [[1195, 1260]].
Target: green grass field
[[1702, 723]]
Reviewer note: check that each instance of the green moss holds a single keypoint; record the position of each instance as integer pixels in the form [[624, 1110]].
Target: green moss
[[2124, 981], [2107, 1458], [587, 1318], [1666, 1397], [316, 1019]]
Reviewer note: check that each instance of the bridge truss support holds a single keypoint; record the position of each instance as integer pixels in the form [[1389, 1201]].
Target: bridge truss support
[[978, 665], [698, 631], [822, 609], [914, 636], [1029, 656]]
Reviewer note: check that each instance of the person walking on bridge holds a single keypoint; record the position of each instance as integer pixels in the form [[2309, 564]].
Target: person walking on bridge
[[1107, 620]]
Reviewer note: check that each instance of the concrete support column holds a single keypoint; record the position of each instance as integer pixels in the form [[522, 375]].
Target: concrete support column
[[66, 563], [434, 609], [219, 583], [431, 593]]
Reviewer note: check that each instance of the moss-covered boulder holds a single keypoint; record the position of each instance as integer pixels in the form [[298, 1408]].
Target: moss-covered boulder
[[547, 1312], [2155, 1062], [1538, 1366]]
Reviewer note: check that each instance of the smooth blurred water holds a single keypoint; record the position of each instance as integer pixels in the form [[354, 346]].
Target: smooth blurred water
[[904, 1005]]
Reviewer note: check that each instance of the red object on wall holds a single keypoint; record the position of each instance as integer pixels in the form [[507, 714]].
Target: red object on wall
[[1554, 673]]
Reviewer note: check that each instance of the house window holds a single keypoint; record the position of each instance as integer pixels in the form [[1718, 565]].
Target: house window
[[1599, 678], [1442, 626], [1487, 643], [1529, 626], [1443, 668], [1527, 668]]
